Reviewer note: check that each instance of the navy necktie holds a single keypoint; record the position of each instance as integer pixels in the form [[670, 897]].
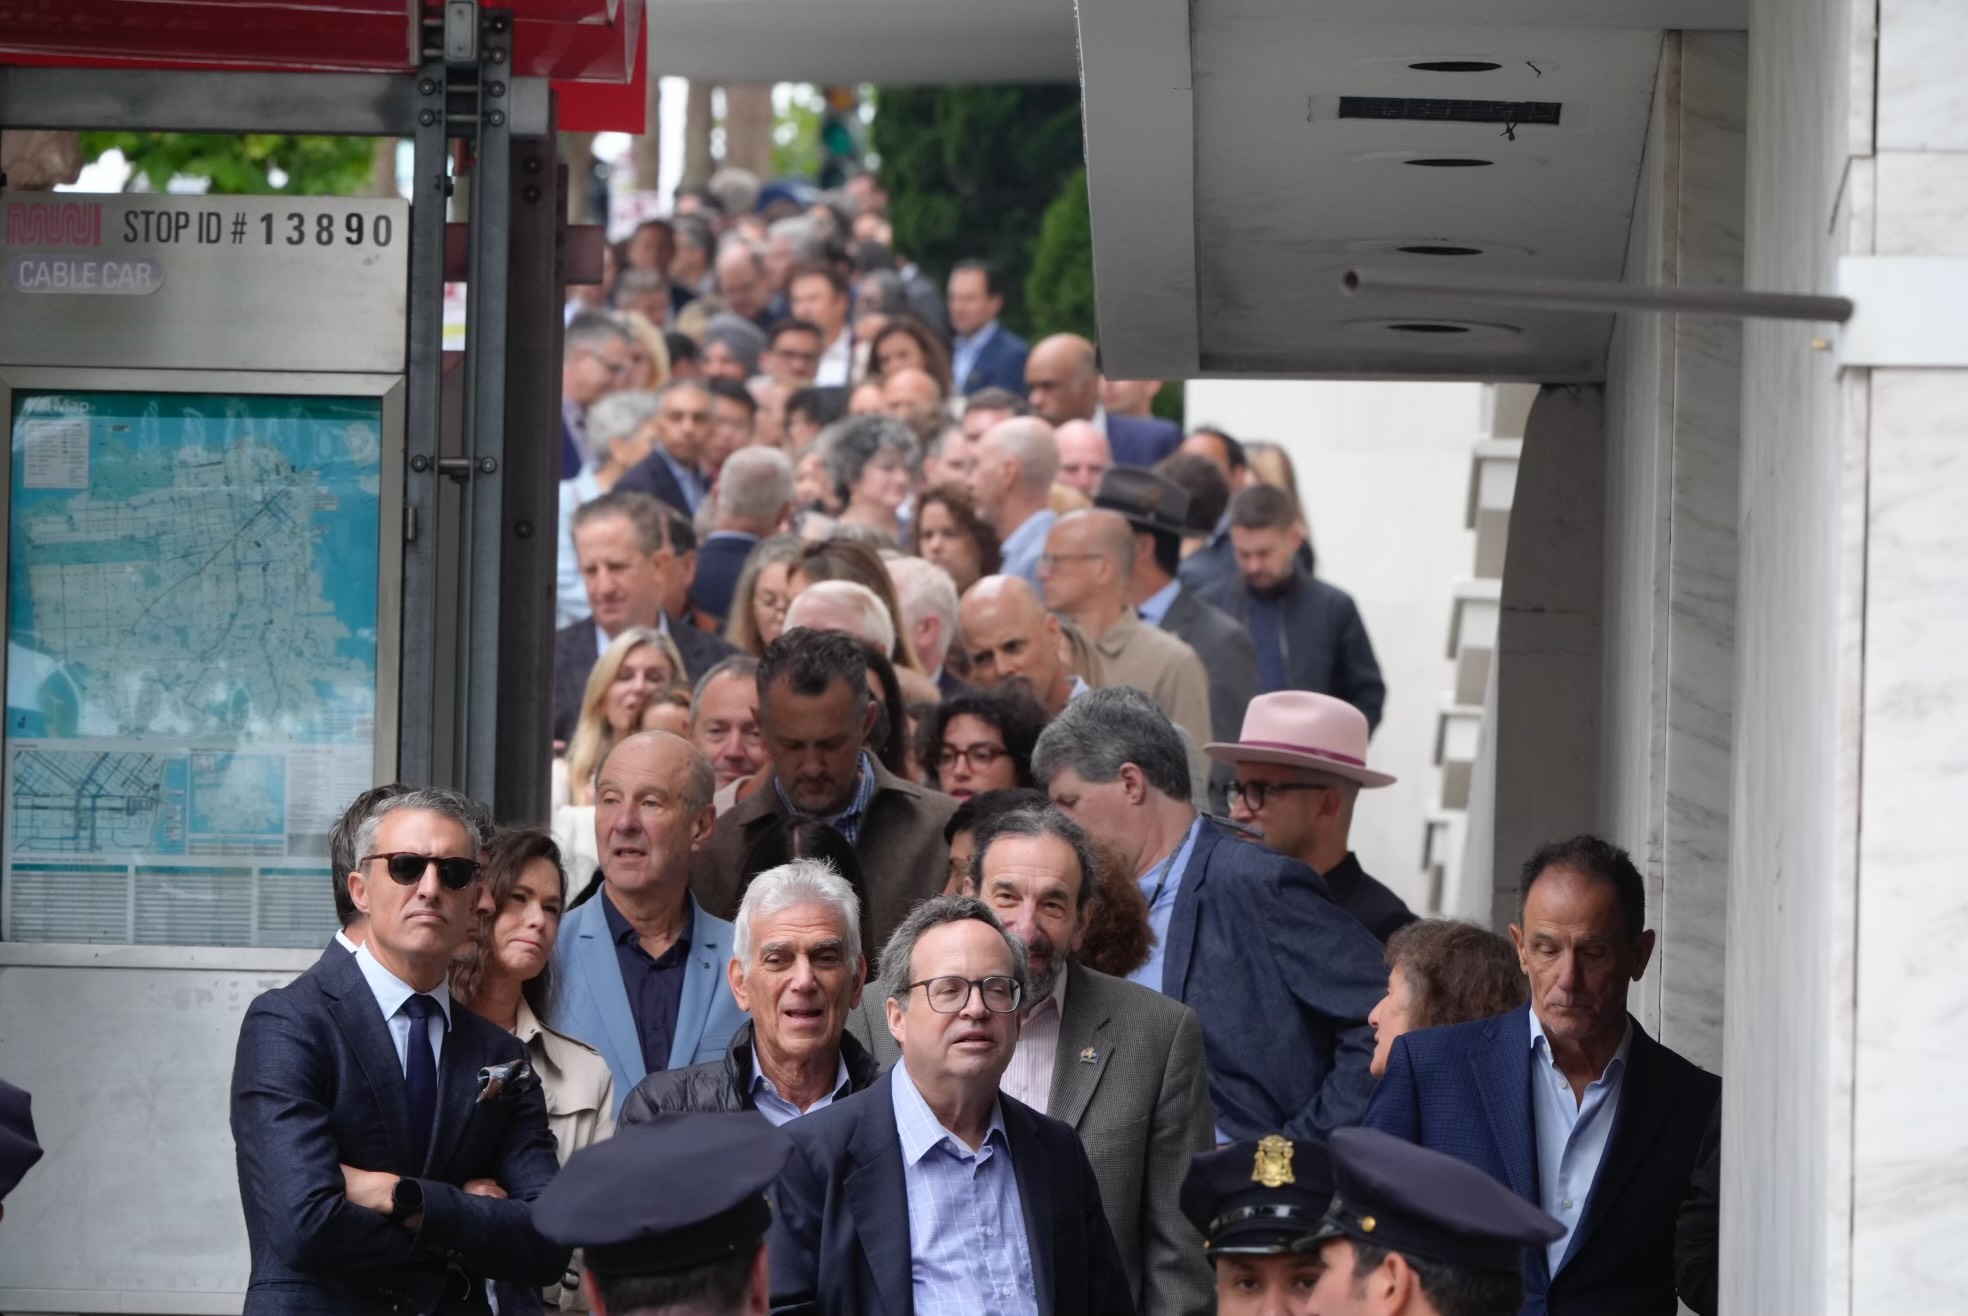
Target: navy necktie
[[420, 1075]]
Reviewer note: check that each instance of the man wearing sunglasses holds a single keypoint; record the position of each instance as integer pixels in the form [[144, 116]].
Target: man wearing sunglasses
[[917, 1194], [373, 1175]]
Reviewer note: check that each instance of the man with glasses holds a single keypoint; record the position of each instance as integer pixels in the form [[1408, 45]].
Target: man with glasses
[[594, 361], [931, 1193], [794, 357], [1301, 762], [374, 1174]]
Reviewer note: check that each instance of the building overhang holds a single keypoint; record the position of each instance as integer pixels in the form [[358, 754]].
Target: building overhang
[[1243, 154]]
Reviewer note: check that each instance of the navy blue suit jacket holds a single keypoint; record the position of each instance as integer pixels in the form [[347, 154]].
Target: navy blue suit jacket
[[1283, 980], [1000, 363], [652, 476], [1141, 440], [720, 560], [316, 1084], [839, 1244], [1466, 1090]]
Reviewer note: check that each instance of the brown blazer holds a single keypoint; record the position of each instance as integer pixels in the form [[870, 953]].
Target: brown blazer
[[902, 852]]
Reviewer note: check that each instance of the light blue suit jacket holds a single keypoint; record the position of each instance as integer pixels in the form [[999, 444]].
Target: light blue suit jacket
[[594, 1003]]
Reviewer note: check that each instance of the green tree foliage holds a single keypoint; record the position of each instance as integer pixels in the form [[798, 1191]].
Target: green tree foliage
[[1059, 289], [241, 165], [971, 171]]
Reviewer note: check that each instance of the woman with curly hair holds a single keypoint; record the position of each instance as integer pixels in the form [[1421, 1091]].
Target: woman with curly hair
[[981, 740], [948, 531], [874, 462]]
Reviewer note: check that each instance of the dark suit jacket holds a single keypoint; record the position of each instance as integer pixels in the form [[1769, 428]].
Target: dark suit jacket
[[1210, 568], [839, 1244], [652, 476], [1326, 646], [1141, 440], [902, 852], [316, 1083], [949, 684], [1225, 648], [1381, 911], [1283, 980], [574, 659], [1141, 1107], [720, 558], [1000, 364], [1466, 1090]]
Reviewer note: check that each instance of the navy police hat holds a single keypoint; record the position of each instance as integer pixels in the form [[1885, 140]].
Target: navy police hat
[[675, 1193], [1254, 1198], [1394, 1195]]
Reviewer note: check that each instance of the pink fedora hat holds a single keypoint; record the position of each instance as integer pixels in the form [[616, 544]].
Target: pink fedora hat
[[1299, 729]]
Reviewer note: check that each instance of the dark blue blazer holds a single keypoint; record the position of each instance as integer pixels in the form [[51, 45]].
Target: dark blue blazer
[[720, 560], [652, 476], [1466, 1090], [1000, 363], [1283, 980], [575, 655], [1326, 646], [1141, 440], [839, 1244], [316, 1084]]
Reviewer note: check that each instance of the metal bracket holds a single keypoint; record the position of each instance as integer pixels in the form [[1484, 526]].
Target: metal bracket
[[1593, 295]]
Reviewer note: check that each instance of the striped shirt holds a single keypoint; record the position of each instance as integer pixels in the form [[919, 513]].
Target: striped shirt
[[1028, 1078], [967, 1250], [848, 821]]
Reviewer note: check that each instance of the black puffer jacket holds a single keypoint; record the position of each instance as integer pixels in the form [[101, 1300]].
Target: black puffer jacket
[[725, 1085]]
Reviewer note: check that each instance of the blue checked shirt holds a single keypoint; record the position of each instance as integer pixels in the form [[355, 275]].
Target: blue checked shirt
[[967, 1250], [848, 821]]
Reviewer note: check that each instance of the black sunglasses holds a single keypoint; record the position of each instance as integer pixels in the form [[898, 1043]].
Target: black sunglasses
[[407, 868]]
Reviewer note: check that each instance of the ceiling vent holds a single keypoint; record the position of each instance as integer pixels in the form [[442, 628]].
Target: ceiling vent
[[1422, 109]]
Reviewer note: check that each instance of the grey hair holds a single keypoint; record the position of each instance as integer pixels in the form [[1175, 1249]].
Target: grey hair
[[1030, 443], [619, 415], [798, 882], [877, 629], [633, 283], [858, 440], [468, 813], [1030, 824], [754, 485], [1106, 728], [742, 666], [921, 589], [737, 190], [934, 912], [592, 329], [805, 235]]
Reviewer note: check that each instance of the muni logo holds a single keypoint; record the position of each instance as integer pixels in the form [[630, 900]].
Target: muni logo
[[54, 224]]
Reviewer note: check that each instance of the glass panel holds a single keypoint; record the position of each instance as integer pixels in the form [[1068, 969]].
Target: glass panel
[[191, 661]]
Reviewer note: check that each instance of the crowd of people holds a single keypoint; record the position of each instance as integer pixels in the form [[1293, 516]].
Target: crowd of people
[[955, 772]]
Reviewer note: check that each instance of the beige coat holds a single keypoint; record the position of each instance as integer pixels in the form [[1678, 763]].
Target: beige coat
[[1156, 662], [580, 1094]]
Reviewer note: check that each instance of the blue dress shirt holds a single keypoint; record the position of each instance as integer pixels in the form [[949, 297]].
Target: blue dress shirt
[[1571, 1134], [1156, 605], [776, 1109], [967, 1250], [391, 992], [1159, 886], [1024, 546], [963, 353]]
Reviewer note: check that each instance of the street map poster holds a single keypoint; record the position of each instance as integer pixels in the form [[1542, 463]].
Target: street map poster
[[191, 662]]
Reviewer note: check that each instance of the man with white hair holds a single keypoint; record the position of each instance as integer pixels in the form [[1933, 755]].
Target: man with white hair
[[1011, 482], [848, 607], [1084, 456], [797, 968], [754, 498], [928, 599]]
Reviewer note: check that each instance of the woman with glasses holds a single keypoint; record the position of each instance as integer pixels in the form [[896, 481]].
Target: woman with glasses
[[762, 595], [981, 740]]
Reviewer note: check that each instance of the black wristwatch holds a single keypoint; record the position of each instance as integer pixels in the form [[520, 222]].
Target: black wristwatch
[[406, 1201]]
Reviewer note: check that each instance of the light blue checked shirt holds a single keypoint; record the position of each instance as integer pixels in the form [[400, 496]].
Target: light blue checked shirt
[[848, 821], [967, 1249]]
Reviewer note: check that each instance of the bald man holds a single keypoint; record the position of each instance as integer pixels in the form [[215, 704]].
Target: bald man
[[913, 397], [1084, 456], [1011, 483], [1086, 571], [1013, 642], [741, 282], [1062, 382]]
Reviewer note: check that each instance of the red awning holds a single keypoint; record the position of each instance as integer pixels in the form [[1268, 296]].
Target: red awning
[[570, 41]]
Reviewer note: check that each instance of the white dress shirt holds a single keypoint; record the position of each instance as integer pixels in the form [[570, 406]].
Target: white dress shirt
[[1029, 1076], [836, 366], [1572, 1134], [391, 992]]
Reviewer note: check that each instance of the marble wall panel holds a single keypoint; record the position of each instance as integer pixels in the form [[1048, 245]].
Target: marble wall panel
[[1922, 102]]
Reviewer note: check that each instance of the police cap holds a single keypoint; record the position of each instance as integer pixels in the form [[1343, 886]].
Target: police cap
[[1257, 1197]]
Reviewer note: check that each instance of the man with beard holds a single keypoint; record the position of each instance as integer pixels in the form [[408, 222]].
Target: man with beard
[[1121, 1063], [817, 715]]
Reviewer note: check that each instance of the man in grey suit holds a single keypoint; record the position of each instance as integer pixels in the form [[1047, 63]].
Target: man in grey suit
[[1119, 1062], [1158, 509]]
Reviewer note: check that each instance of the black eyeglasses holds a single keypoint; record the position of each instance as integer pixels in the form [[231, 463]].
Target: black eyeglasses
[[951, 993], [407, 868], [980, 756], [1253, 794]]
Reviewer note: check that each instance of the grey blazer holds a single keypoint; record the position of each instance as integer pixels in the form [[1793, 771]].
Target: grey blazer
[[1225, 647], [1129, 1078]]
